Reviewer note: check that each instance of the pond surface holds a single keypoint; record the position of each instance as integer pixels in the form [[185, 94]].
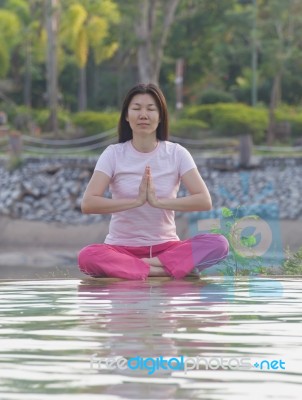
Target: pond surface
[[56, 336]]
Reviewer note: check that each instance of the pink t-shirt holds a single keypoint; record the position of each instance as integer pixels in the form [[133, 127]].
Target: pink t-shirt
[[145, 225]]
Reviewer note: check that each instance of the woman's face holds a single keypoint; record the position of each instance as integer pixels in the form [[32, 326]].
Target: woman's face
[[143, 115]]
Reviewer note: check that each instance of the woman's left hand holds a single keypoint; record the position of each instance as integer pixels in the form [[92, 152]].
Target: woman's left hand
[[151, 195]]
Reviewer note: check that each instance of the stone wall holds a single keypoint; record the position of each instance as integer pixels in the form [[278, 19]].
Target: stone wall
[[51, 189]]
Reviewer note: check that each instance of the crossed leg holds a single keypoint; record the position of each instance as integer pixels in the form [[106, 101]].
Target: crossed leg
[[177, 260]]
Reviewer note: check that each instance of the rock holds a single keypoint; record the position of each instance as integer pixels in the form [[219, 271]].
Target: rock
[[52, 189]]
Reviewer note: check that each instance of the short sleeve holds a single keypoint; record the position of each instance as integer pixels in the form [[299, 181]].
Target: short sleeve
[[106, 162], [186, 161]]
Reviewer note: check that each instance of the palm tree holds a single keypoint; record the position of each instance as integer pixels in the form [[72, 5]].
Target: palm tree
[[9, 32], [31, 40], [52, 22], [85, 27]]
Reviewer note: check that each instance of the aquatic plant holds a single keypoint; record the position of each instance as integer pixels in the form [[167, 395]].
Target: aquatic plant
[[237, 263], [293, 263]]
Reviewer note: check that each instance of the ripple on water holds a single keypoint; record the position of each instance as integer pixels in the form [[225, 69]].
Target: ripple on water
[[51, 331]]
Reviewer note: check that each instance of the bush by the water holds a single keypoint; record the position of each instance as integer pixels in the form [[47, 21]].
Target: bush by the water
[[41, 118], [25, 119], [195, 122], [213, 96], [90, 122], [93, 123], [293, 116], [231, 119], [293, 264], [189, 128]]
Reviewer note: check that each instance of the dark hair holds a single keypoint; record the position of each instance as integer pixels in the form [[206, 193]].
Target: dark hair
[[124, 129]]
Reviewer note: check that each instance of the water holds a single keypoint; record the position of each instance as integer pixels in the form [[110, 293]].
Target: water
[[54, 333]]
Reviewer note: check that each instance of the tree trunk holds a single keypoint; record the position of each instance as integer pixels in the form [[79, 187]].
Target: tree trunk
[[52, 74], [82, 95], [151, 48], [169, 12], [144, 57], [27, 75], [95, 86], [275, 98]]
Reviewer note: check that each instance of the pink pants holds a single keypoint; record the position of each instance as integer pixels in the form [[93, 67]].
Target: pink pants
[[179, 258]]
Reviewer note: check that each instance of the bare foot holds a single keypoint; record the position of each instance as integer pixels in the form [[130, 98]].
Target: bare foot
[[154, 261], [157, 271]]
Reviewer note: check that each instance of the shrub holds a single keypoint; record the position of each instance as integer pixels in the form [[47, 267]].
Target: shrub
[[237, 263], [293, 116], [8, 109], [95, 122], [24, 119], [41, 117], [213, 96], [20, 118], [190, 128], [232, 119], [293, 264]]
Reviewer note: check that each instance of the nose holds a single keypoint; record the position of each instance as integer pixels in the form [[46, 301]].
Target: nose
[[143, 113]]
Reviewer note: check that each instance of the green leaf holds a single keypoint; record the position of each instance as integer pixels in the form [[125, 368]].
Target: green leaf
[[248, 241], [226, 212]]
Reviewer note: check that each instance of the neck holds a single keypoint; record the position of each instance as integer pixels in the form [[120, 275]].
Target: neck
[[144, 145]]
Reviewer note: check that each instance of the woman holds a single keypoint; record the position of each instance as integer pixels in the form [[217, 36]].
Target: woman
[[143, 172]]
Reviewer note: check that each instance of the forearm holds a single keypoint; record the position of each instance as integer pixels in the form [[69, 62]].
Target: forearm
[[103, 205], [194, 202]]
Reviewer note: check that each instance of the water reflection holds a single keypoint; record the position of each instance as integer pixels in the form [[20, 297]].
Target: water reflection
[[50, 329], [145, 313], [142, 317]]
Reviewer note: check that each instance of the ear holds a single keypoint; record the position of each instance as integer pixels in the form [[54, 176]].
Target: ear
[[126, 117]]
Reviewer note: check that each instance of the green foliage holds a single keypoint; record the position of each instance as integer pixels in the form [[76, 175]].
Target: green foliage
[[41, 118], [213, 96], [14, 163], [9, 26], [4, 60], [25, 119], [20, 8], [95, 122], [292, 115], [232, 119], [293, 263], [214, 38], [85, 27], [226, 212], [237, 263], [189, 128], [9, 30]]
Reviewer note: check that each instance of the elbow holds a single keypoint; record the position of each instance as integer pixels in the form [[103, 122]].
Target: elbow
[[207, 204], [84, 207]]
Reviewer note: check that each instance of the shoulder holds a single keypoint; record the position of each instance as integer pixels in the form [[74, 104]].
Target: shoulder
[[170, 146], [116, 148], [176, 148]]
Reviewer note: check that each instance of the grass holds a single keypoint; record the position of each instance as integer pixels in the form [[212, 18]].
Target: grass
[[293, 263], [278, 153]]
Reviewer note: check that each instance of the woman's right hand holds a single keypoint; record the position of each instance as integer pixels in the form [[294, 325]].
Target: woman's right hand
[[142, 193]]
